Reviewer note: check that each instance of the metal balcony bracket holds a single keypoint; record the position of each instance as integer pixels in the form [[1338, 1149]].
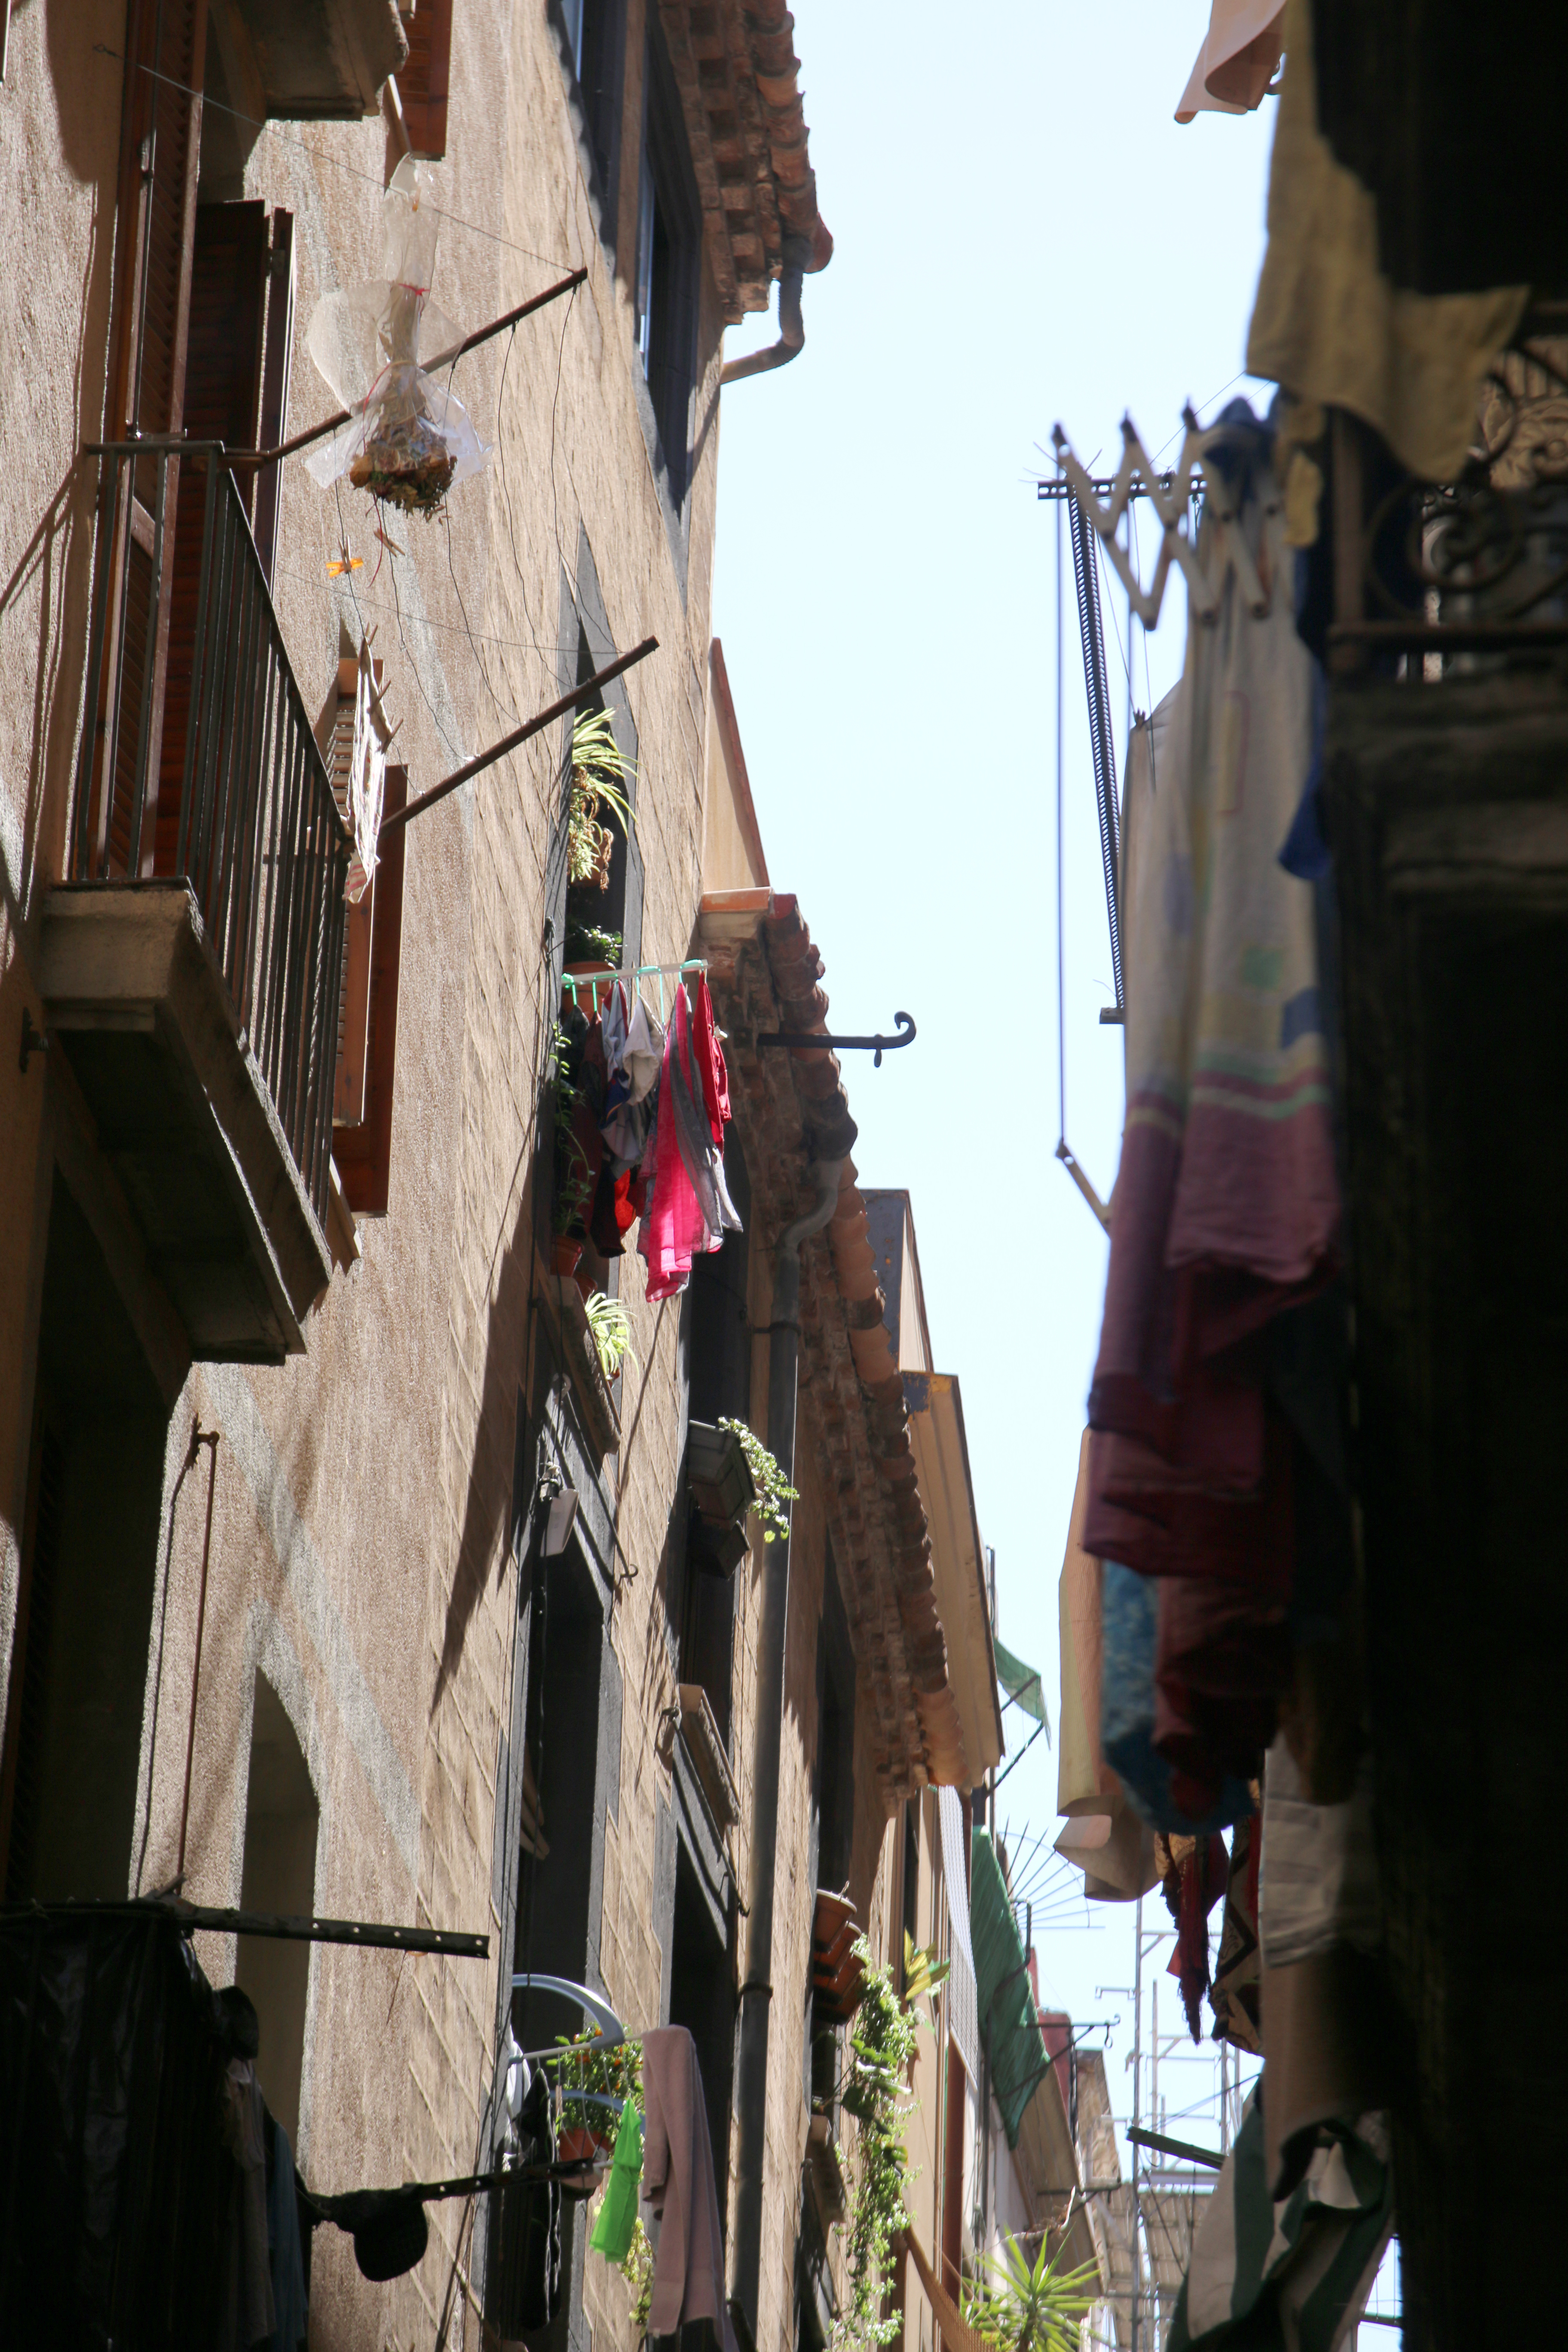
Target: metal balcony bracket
[[801, 1041]]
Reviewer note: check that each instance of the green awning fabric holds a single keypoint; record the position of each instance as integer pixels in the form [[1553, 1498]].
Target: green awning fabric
[[1009, 2030], [1021, 1683]]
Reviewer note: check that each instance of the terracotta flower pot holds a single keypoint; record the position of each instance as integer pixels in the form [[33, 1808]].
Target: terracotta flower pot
[[566, 1252], [593, 991], [577, 2144]]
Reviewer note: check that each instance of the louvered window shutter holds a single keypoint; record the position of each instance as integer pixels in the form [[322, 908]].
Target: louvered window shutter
[[160, 153], [422, 84]]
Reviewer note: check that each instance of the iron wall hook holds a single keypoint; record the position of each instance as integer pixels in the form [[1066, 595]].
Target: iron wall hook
[[816, 1040]]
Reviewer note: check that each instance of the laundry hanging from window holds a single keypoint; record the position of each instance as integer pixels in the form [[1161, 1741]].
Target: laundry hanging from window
[[642, 1110]]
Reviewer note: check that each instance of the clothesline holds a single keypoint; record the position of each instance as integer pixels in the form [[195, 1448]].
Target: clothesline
[[597, 980]]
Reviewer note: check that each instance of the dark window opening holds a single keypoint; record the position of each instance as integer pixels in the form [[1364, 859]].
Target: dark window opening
[[702, 1999], [719, 1357], [594, 43], [911, 1875], [599, 928], [667, 261], [78, 1667], [834, 1812]]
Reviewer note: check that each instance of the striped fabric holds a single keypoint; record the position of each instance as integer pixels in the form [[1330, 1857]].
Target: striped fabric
[[1293, 2275]]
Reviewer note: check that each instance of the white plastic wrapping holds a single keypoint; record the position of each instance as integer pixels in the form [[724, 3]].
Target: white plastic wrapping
[[408, 438]]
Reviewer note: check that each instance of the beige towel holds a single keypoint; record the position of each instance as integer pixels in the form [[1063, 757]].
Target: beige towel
[[1085, 1782], [677, 2181], [1328, 325]]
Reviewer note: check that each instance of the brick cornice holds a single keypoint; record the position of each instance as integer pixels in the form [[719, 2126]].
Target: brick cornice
[[851, 1392]]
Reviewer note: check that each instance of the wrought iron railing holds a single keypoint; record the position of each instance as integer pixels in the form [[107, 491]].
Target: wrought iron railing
[[199, 761], [1476, 567]]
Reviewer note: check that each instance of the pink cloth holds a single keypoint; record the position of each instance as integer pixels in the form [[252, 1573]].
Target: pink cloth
[[673, 1230], [677, 2181], [711, 1063]]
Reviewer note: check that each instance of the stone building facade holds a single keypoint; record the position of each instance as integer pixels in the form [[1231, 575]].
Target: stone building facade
[[288, 1386]]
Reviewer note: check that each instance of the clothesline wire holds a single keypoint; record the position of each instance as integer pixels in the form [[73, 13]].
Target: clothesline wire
[[1061, 991], [320, 155]]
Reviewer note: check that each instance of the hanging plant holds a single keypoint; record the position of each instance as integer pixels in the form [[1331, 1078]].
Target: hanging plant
[[612, 1333], [1032, 2306], [876, 2093], [601, 776], [774, 1492]]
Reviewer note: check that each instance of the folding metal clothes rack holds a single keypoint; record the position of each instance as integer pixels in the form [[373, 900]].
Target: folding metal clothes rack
[[597, 980]]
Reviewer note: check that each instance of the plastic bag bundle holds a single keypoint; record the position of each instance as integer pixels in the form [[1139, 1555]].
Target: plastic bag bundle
[[408, 438]]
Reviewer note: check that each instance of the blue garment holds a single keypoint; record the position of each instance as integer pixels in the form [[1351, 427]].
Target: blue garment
[[1129, 1624]]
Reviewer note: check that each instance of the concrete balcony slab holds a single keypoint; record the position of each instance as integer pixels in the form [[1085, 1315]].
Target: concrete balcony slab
[[138, 1005]]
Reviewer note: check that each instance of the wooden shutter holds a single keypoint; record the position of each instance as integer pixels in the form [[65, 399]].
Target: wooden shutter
[[364, 1151], [276, 370], [225, 312], [422, 84], [160, 156]]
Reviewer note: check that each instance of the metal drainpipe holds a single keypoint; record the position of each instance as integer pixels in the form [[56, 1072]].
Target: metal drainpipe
[[756, 1993], [792, 327]]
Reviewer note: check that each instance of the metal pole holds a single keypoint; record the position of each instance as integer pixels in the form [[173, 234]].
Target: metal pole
[[1137, 2113], [207, 1437], [258, 458], [557, 709]]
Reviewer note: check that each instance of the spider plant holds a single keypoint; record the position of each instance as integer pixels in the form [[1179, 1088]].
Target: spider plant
[[1032, 2306], [612, 1333], [601, 777]]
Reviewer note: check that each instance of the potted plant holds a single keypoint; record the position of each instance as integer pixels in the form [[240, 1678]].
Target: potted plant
[[773, 1492], [590, 2077], [601, 777], [1032, 2306], [593, 959], [611, 1332]]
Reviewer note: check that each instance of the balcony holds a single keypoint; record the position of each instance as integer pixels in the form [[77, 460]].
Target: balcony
[[192, 961]]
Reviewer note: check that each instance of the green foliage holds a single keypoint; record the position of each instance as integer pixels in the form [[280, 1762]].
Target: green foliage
[[612, 1333], [1032, 2306], [637, 2270], [615, 2074], [923, 1974], [586, 943], [601, 774], [876, 2093], [774, 1492]]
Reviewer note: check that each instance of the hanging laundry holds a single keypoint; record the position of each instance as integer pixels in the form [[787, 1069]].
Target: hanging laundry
[[678, 2179], [1267, 2273], [1199, 1880], [1132, 1607], [690, 1210], [1235, 1994], [1226, 1206]]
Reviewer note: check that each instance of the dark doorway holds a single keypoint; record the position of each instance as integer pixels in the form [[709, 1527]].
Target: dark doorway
[[73, 1717], [702, 1999]]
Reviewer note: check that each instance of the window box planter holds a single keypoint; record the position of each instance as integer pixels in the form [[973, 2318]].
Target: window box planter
[[718, 1476]]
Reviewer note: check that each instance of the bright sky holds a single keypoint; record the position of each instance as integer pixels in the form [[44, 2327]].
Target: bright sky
[[1024, 234]]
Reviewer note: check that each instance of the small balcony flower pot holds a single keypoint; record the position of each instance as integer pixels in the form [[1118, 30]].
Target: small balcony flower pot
[[592, 992], [718, 1476], [566, 1251]]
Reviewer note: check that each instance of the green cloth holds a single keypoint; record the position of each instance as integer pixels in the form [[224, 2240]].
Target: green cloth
[[1021, 1683], [1009, 2029], [618, 2213], [1264, 2275]]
